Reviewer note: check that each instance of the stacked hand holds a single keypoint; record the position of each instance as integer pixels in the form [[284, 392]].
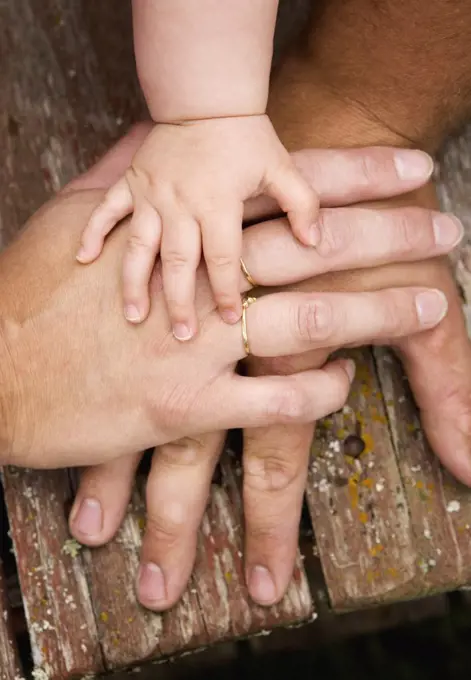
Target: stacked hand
[[288, 323]]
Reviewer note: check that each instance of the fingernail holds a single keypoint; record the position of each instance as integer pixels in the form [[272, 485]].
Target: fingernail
[[88, 520], [230, 316], [350, 368], [314, 235], [432, 306], [81, 254], [262, 586], [413, 165], [132, 314], [151, 584], [182, 332], [448, 230]]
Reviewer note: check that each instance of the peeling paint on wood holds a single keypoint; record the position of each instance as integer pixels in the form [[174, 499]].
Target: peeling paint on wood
[[55, 593]]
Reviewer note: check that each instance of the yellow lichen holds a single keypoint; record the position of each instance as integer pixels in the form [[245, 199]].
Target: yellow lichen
[[369, 443], [376, 550]]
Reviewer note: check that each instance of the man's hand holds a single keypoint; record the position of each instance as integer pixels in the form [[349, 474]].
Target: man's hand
[[323, 118]]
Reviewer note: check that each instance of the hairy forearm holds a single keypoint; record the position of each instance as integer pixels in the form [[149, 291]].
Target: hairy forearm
[[204, 58], [403, 66]]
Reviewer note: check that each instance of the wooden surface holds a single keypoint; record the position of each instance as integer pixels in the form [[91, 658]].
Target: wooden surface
[[10, 667], [56, 599], [389, 524]]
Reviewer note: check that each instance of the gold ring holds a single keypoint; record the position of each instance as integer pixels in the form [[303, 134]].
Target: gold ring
[[246, 302], [246, 273]]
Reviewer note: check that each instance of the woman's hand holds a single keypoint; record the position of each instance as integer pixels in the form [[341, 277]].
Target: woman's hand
[[181, 472], [79, 369]]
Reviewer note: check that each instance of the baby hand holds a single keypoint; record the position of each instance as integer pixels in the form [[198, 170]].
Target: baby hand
[[186, 188]]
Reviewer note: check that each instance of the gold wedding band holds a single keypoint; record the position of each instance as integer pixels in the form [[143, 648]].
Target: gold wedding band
[[246, 273], [246, 302]]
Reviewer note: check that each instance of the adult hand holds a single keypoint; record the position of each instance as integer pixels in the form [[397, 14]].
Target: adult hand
[[437, 362], [181, 472]]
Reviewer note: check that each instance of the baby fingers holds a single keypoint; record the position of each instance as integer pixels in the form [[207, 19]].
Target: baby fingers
[[139, 257], [222, 247], [298, 200], [117, 203], [180, 254]]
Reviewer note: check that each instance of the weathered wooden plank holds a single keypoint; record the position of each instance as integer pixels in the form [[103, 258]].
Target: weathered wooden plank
[[439, 506], [10, 666], [56, 599], [39, 129], [357, 501], [61, 104]]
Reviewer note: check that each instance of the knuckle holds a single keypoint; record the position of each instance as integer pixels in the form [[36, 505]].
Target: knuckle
[[462, 400], [185, 452], [138, 246], [178, 311], [290, 404], [220, 261], [177, 259], [135, 175], [266, 535], [274, 471], [455, 403], [166, 530], [369, 169], [409, 234], [393, 310], [314, 321], [167, 410], [225, 298], [335, 238]]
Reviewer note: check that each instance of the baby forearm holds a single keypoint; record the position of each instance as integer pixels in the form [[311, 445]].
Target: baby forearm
[[204, 58]]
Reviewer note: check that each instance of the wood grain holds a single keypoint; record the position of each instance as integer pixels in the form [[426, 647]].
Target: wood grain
[[56, 599], [10, 667], [358, 504]]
